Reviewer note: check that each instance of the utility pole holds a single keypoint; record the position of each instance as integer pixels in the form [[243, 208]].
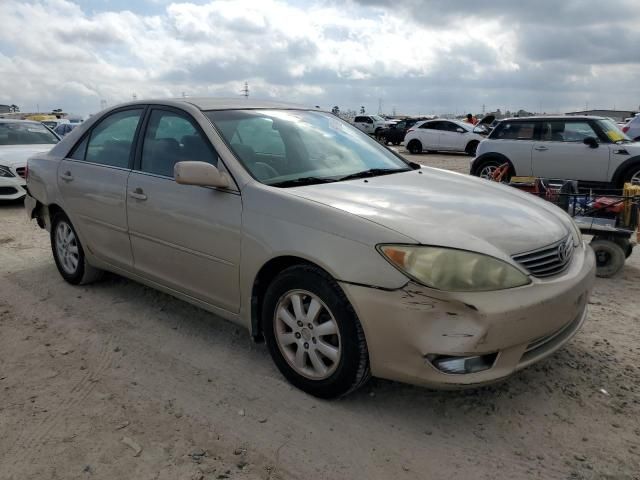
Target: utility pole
[[245, 90], [483, 109], [103, 104], [134, 96], [184, 95], [379, 106]]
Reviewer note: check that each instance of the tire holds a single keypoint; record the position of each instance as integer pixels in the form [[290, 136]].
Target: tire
[[347, 367], [610, 257], [631, 175], [414, 147], [471, 148], [69, 254], [626, 246], [486, 168]]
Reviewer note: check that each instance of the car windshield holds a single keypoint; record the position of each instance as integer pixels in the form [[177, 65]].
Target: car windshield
[[27, 133], [612, 131], [377, 118], [296, 147]]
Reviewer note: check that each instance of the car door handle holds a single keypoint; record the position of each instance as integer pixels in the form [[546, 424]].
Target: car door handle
[[138, 194], [541, 149], [66, 176]]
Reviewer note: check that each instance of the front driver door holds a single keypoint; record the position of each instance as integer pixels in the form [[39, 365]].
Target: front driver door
[[93, 181], [561, 153], [184, 237]]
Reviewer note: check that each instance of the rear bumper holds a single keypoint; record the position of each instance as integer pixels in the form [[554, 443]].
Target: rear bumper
[[12, 188], [407, 329]]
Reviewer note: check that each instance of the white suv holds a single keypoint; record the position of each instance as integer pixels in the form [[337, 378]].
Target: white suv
[[591, 150], [370, 124]]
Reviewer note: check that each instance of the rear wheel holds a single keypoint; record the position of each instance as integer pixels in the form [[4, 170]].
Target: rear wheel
[[313, 333], [610, 257], [471, 148], [626, 246], [414, 147], [69, 254], [632, 175]]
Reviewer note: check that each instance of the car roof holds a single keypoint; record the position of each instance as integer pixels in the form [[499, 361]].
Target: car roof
[[15, 120], [219, 103], [554, 117]]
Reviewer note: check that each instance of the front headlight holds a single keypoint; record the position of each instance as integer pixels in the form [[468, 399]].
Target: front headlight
[[575, 233], [453, 270], [5, 172]]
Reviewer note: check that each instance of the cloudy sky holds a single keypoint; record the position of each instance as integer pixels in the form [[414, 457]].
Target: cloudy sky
[[415, 56]]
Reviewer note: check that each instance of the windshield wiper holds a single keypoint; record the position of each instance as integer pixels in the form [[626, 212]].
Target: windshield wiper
[[298, 182], [373, 172]]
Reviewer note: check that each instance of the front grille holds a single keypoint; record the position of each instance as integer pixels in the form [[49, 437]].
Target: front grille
[[21, 171], [549, 260]]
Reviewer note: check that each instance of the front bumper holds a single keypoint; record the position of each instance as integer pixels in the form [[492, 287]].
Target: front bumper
[[12, 188], [406, 328]]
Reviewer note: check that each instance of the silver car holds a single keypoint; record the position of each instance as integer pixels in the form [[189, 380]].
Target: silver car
[[345, 258]]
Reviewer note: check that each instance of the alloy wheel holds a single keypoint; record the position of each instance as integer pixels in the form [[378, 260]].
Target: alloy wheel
[[487, 171], [67, 247], [635, 178], [307, 334]]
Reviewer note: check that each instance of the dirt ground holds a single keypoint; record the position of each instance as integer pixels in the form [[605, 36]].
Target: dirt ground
[[117, 381]]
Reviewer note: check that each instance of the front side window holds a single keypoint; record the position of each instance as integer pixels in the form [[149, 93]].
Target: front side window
[[25, 133], [612, 131], [171, 138], [566, 131], [515, 131], [306, 146], [111, 140]]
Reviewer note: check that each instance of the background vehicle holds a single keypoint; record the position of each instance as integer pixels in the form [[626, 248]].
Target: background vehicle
[[19, 139], [591, 150], [312, 235], [370, 124], [632, 128], [395, 133], [446, 135]]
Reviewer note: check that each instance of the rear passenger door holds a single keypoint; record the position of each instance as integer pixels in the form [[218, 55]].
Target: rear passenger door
[[429, 135], [514, 139], [184, 237], [93, 181], [560, 152]]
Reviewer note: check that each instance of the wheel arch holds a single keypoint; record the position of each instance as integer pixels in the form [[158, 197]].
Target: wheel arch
[[623, 168], [490, 156], [267, 273]]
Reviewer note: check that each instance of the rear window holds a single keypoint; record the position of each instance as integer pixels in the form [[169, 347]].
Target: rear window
[[27, 133], [514, 131]]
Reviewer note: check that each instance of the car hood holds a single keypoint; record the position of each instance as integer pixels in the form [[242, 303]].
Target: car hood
[[17, 155], [436, 207]]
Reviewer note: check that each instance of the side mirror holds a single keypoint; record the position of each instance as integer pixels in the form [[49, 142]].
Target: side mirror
[[199, 173], [460, 130], [591, 142]]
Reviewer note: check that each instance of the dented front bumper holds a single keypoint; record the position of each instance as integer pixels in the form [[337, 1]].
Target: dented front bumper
[[407, 328]]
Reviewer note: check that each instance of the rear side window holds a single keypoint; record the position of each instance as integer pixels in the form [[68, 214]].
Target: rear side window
[[515, 131], [566, 131], [171, 138], [359, 119], [111, 140]]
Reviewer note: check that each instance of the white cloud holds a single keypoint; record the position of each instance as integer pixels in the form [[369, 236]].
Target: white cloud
[[55, 54]]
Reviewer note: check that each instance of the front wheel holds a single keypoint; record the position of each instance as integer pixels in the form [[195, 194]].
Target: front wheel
[[313, 333], [414, 147], [632, 176], [471, 148], [610, 257], [69, 254]]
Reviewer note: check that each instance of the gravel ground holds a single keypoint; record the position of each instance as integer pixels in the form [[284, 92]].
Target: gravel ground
[[117, 381]]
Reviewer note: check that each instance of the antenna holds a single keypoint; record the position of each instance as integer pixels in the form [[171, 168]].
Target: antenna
[[245, 90]]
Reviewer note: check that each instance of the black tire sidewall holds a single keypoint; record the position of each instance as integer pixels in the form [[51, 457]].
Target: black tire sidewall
[[315, 281], [615, 251], [471, 148], [414, 147], [76, 278]]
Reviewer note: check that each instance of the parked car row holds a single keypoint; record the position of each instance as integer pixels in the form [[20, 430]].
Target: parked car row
[[447, 135], [347, 259]]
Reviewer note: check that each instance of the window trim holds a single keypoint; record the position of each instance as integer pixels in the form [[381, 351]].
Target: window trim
[[88, 133]]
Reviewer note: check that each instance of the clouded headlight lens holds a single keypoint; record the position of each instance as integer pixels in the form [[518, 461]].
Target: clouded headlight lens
[[453, 270]]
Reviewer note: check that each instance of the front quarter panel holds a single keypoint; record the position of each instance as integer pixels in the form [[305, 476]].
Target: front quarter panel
[[277, 224]]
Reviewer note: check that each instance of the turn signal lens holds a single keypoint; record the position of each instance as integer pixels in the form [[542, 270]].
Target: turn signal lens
[[453, 270]]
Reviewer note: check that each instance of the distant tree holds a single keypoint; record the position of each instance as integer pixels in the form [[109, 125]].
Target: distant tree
[[335, 110], [361, 110], [14, 108]]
